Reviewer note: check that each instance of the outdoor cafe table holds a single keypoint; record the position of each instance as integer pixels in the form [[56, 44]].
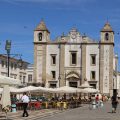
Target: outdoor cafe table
[[55, 104], [31, 105]]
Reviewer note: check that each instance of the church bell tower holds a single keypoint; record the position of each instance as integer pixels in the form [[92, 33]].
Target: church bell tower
[[106, 53], [41, 38]]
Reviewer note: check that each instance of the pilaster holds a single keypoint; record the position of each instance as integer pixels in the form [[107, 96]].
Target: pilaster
[[83, 56], [44, 64], [111, 67], [35, 64], [101, 67], [62, 63]]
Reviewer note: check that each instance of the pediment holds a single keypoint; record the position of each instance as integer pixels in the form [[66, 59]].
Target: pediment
[[73, 74]]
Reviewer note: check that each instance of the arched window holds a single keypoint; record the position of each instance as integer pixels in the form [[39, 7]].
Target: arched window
[[40, 36], [106, 36]]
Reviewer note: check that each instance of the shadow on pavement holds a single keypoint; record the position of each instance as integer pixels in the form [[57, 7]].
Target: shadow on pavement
[[6, 119], [2, 116], [110, 112]]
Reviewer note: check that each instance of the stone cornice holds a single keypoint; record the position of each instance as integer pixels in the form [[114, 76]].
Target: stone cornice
[[65, 43]]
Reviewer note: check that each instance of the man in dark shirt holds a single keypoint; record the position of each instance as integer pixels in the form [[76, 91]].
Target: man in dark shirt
[[114, 103]]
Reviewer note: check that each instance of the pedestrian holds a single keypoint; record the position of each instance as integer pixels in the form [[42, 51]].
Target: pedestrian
[[25, 100], [114, 103], [97, 100]]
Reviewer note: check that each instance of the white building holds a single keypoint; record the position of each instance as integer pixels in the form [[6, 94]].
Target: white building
[[72, 58], [30, 75], [17, 68], [118, 84]]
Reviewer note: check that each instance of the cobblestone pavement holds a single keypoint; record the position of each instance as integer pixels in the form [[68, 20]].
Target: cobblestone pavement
[[33, 114], [84, 113], [81, 113]]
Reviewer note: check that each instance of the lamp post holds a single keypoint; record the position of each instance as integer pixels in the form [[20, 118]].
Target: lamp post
[[59, 77], [8, 48]]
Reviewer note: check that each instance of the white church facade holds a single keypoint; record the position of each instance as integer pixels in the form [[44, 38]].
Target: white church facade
[[72, 58]]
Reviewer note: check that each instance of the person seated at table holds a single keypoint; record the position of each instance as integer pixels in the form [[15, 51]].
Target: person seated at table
[[52, 99], [58, 104], [85, 99], [79, 98], [90, 98]]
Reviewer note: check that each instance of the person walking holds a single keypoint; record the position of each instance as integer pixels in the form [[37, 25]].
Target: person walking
[[25, 100], [114, 103], [97, 100]]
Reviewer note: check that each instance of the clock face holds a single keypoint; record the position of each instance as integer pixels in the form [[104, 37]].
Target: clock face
[[73, 35]]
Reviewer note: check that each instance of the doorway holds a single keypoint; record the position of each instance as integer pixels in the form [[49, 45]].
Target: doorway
[[73, 84]]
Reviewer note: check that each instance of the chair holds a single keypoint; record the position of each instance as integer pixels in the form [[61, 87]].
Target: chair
[[37, 105], [19, 106], [31, 105], [65, 105], [0, 108]]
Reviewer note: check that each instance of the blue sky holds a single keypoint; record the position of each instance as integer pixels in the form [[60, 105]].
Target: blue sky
[[18, 19]]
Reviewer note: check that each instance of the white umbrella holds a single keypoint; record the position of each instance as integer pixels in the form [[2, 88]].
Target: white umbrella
[[6, 81], [9, 81], [32, 89], [85, 85], [25, 89], [12, 89], [90, 90], [6, 96], [1, 89], [66, 89], [50, 90], [44, 89]]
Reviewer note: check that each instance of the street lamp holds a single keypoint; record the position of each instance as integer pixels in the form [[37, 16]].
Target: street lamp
[[59, 78], [8, 48]]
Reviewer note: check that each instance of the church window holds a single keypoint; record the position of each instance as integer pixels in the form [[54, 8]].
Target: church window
[[106, 36], [93, 59], [40, 36], [53, 59], [73, 58], [92, 75], [53, 74]]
